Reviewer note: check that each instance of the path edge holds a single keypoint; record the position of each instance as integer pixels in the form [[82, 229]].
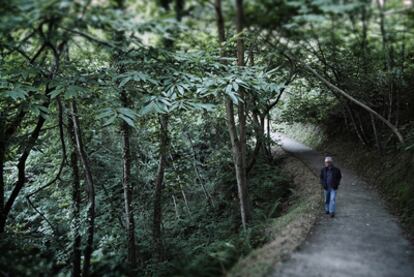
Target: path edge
[[296, 224]]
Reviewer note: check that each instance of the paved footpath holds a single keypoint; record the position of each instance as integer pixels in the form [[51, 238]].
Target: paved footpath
[[364, 239]]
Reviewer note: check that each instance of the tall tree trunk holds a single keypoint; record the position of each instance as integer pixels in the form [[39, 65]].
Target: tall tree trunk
[[90, 188], [126, 163], [76, 201], [163, 148], [157, 216], [242, 190], [388, 60], [238, 164], [238, 143], [220, 22], [76, 204], [128, 191]]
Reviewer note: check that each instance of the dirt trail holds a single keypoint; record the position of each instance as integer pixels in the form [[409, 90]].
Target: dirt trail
[[364, 239]]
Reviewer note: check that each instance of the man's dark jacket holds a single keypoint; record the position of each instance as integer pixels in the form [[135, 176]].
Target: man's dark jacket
[[336, 177]]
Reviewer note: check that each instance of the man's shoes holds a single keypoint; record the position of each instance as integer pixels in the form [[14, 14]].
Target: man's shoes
[[332, 214], [327, 212]]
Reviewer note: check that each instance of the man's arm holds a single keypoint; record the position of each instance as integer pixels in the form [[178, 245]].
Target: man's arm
[[321, 178], [339, 176]]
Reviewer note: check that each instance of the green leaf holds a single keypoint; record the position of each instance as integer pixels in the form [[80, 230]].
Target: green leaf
[[124, 81], [180, 89], [235, 86], [17, 93], [105, 113], [233, 97], [72, 91], [202, 106], [40, 110], [56, 92], [229, 89], [128, 120], [110, 120], [128, 112], [148, 108]]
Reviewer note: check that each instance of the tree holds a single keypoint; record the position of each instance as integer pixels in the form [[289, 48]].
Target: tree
[[237, 134], [83, 157], [126, 154]]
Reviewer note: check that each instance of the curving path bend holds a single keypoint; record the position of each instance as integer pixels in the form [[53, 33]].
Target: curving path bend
[[364, 239]]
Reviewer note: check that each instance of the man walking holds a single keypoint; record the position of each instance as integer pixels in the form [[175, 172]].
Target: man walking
[[330, 178]]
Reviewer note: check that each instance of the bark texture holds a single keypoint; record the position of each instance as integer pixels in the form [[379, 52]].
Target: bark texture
[[90, 189]]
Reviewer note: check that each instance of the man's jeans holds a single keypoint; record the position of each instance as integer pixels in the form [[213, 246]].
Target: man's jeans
[[330, 198]]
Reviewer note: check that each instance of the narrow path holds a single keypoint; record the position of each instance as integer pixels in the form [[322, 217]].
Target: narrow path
[[364, 239]]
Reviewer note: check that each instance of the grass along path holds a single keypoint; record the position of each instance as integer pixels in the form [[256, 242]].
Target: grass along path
[[288, 231]]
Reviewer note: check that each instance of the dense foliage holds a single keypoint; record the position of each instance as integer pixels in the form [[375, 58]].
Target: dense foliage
[[132, 133]]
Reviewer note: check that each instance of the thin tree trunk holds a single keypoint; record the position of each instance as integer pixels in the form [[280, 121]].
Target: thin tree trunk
[[243, 197], [177, 213], [21, 167], [76, 204], [354, 124], [2, 216], [128, 192], [238, 164], [362, 129], [2, 157], [346, 121], [126, 164], [181, 187], [164, 144], [364, 40], [90, 188], [357, 102], [157, 217], [238, 143], [259, 130], [185, 200], [220, 23], [384, 36], [388, 61], [268, 148], [374, 129], [3, 142], [76, 201], [200, 179]]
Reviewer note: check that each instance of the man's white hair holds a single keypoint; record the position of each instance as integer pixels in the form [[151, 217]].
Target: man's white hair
[[328, 159]]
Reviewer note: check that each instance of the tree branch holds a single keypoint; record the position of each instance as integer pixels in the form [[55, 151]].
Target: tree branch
[[352, 99], [91, 38]]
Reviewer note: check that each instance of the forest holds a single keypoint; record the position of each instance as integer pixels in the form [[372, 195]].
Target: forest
[[135, 135]]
